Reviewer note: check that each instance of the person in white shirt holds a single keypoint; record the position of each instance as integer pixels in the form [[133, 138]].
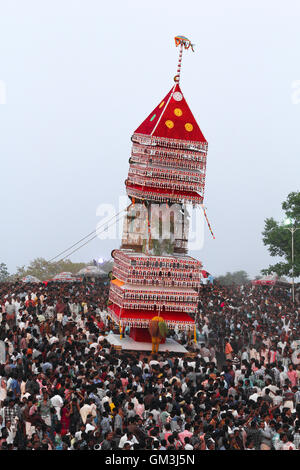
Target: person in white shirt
[[281, 345], [188, 447], [17, 303], [89, 425], [296, 357], [245, 355], [277, 400], [273, 389], [255, 395], [128, 437], [239, 375], [295, 344], [78, 434], [286, 443], [153, 362], [31, 296], [282, 376], [89, 408], [155, 414], [11, 430], [254, 354], [57, 402]]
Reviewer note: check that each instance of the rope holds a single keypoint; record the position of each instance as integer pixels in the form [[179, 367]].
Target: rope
[[91, 239], [94, 231]]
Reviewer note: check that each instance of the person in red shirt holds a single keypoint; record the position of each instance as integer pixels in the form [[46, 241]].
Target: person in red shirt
[[292, 375], [185, 433], [60, 307]]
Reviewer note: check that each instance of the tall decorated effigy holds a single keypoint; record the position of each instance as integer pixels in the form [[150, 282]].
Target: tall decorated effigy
[[154, 281]]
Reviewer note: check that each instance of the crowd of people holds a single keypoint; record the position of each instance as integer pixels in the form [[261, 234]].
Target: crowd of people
[[64, 387]]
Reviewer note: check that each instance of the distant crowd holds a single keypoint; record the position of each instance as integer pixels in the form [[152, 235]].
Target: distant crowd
[[64, 387]]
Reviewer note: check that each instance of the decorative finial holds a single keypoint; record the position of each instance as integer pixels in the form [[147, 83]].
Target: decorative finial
[[183, 42]]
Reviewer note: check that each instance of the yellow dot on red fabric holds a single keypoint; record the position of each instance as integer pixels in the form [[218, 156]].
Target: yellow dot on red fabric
[[178, 112], [169, 124], [188, 127], [161, 104]]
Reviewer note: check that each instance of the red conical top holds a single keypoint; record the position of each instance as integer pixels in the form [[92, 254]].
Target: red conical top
[[172, 119]]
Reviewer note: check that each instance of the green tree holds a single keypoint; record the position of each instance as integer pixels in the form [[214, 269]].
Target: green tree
[[43, 269], [162, 247], [235, 278], [278, 238], [4, 274], [107, 266]]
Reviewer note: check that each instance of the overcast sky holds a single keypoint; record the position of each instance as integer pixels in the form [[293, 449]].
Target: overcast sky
[[78, 77]]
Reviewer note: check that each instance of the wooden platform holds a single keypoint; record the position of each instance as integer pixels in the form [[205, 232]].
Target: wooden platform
[[129, 344]]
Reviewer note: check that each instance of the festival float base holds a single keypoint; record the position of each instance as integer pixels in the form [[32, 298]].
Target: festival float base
[[128, 343]]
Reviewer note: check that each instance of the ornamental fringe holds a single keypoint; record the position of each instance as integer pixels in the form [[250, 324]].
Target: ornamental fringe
[[181, 175], [165, 282], [176, 275], [147, 195], [130, 256], [162, 161], [140, 323], [164, 182], [186, 308], [184, 156], [170, 143], [128, 294]]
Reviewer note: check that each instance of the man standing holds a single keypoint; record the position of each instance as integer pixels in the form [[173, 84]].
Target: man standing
[[107, 443], [10, 310], [292, 375], [228, 349], [128, 437], [118, 420]]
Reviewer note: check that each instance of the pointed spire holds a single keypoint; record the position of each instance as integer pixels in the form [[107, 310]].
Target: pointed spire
[[172, 117], [181, 41], [177, 77]]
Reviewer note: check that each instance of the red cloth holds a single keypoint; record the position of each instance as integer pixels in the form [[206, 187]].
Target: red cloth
[[170, 192], [163, 113], [132, 314], [60, 307], [65, 421]]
